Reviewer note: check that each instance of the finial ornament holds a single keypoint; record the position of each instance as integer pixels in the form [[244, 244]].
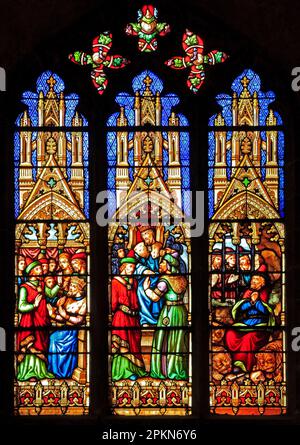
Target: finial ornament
[[147, 28]]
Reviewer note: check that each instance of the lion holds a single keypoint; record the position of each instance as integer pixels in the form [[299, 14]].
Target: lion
[[268, 363], [221, 364], [217, 334], [223, 316]]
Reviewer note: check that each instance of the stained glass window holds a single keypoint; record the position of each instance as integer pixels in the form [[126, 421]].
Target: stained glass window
[[149, 253], [52, 253], [247, 253]]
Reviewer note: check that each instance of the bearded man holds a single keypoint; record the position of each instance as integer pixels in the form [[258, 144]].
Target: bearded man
[[32, 342], [252, 316], [78, 262], [127, 359]]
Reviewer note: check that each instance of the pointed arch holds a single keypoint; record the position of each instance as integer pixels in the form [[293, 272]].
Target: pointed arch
[[246, 205], [52, 205], [149, 229], [246, 253], [52, 239]]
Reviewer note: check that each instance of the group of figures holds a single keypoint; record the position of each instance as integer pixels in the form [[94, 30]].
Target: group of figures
[[246, 308], [52, 304], [148, 290]]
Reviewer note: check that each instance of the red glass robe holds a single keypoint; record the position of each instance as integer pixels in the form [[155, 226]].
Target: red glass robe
[[244, 345], [34, 340], [263, 294], [122, 295]]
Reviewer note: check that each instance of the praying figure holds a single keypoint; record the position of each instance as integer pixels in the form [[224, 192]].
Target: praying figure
[[252, 315]]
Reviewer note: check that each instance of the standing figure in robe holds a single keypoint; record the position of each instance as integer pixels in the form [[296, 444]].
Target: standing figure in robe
[[70, 311], [32, 342], [146, 265], [252, 316], [170, 341], [127, 361]]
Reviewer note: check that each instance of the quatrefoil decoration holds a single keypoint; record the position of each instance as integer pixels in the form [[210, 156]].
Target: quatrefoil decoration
[[100, 60], [195, 60]]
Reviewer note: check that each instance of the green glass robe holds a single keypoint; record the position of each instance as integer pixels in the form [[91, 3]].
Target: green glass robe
[[170, 346]]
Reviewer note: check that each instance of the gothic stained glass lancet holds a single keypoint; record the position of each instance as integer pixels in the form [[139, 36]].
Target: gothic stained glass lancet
[[52, 253], [247, 253], [149, 248]]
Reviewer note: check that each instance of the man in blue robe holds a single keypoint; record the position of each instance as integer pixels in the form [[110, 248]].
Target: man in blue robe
[[147, 264]]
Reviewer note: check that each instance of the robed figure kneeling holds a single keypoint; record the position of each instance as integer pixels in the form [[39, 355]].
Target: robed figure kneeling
[[252, 316]]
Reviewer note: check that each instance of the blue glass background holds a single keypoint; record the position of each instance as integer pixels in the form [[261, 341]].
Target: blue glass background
[[168, 101], [30, 99], [225, 102]]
